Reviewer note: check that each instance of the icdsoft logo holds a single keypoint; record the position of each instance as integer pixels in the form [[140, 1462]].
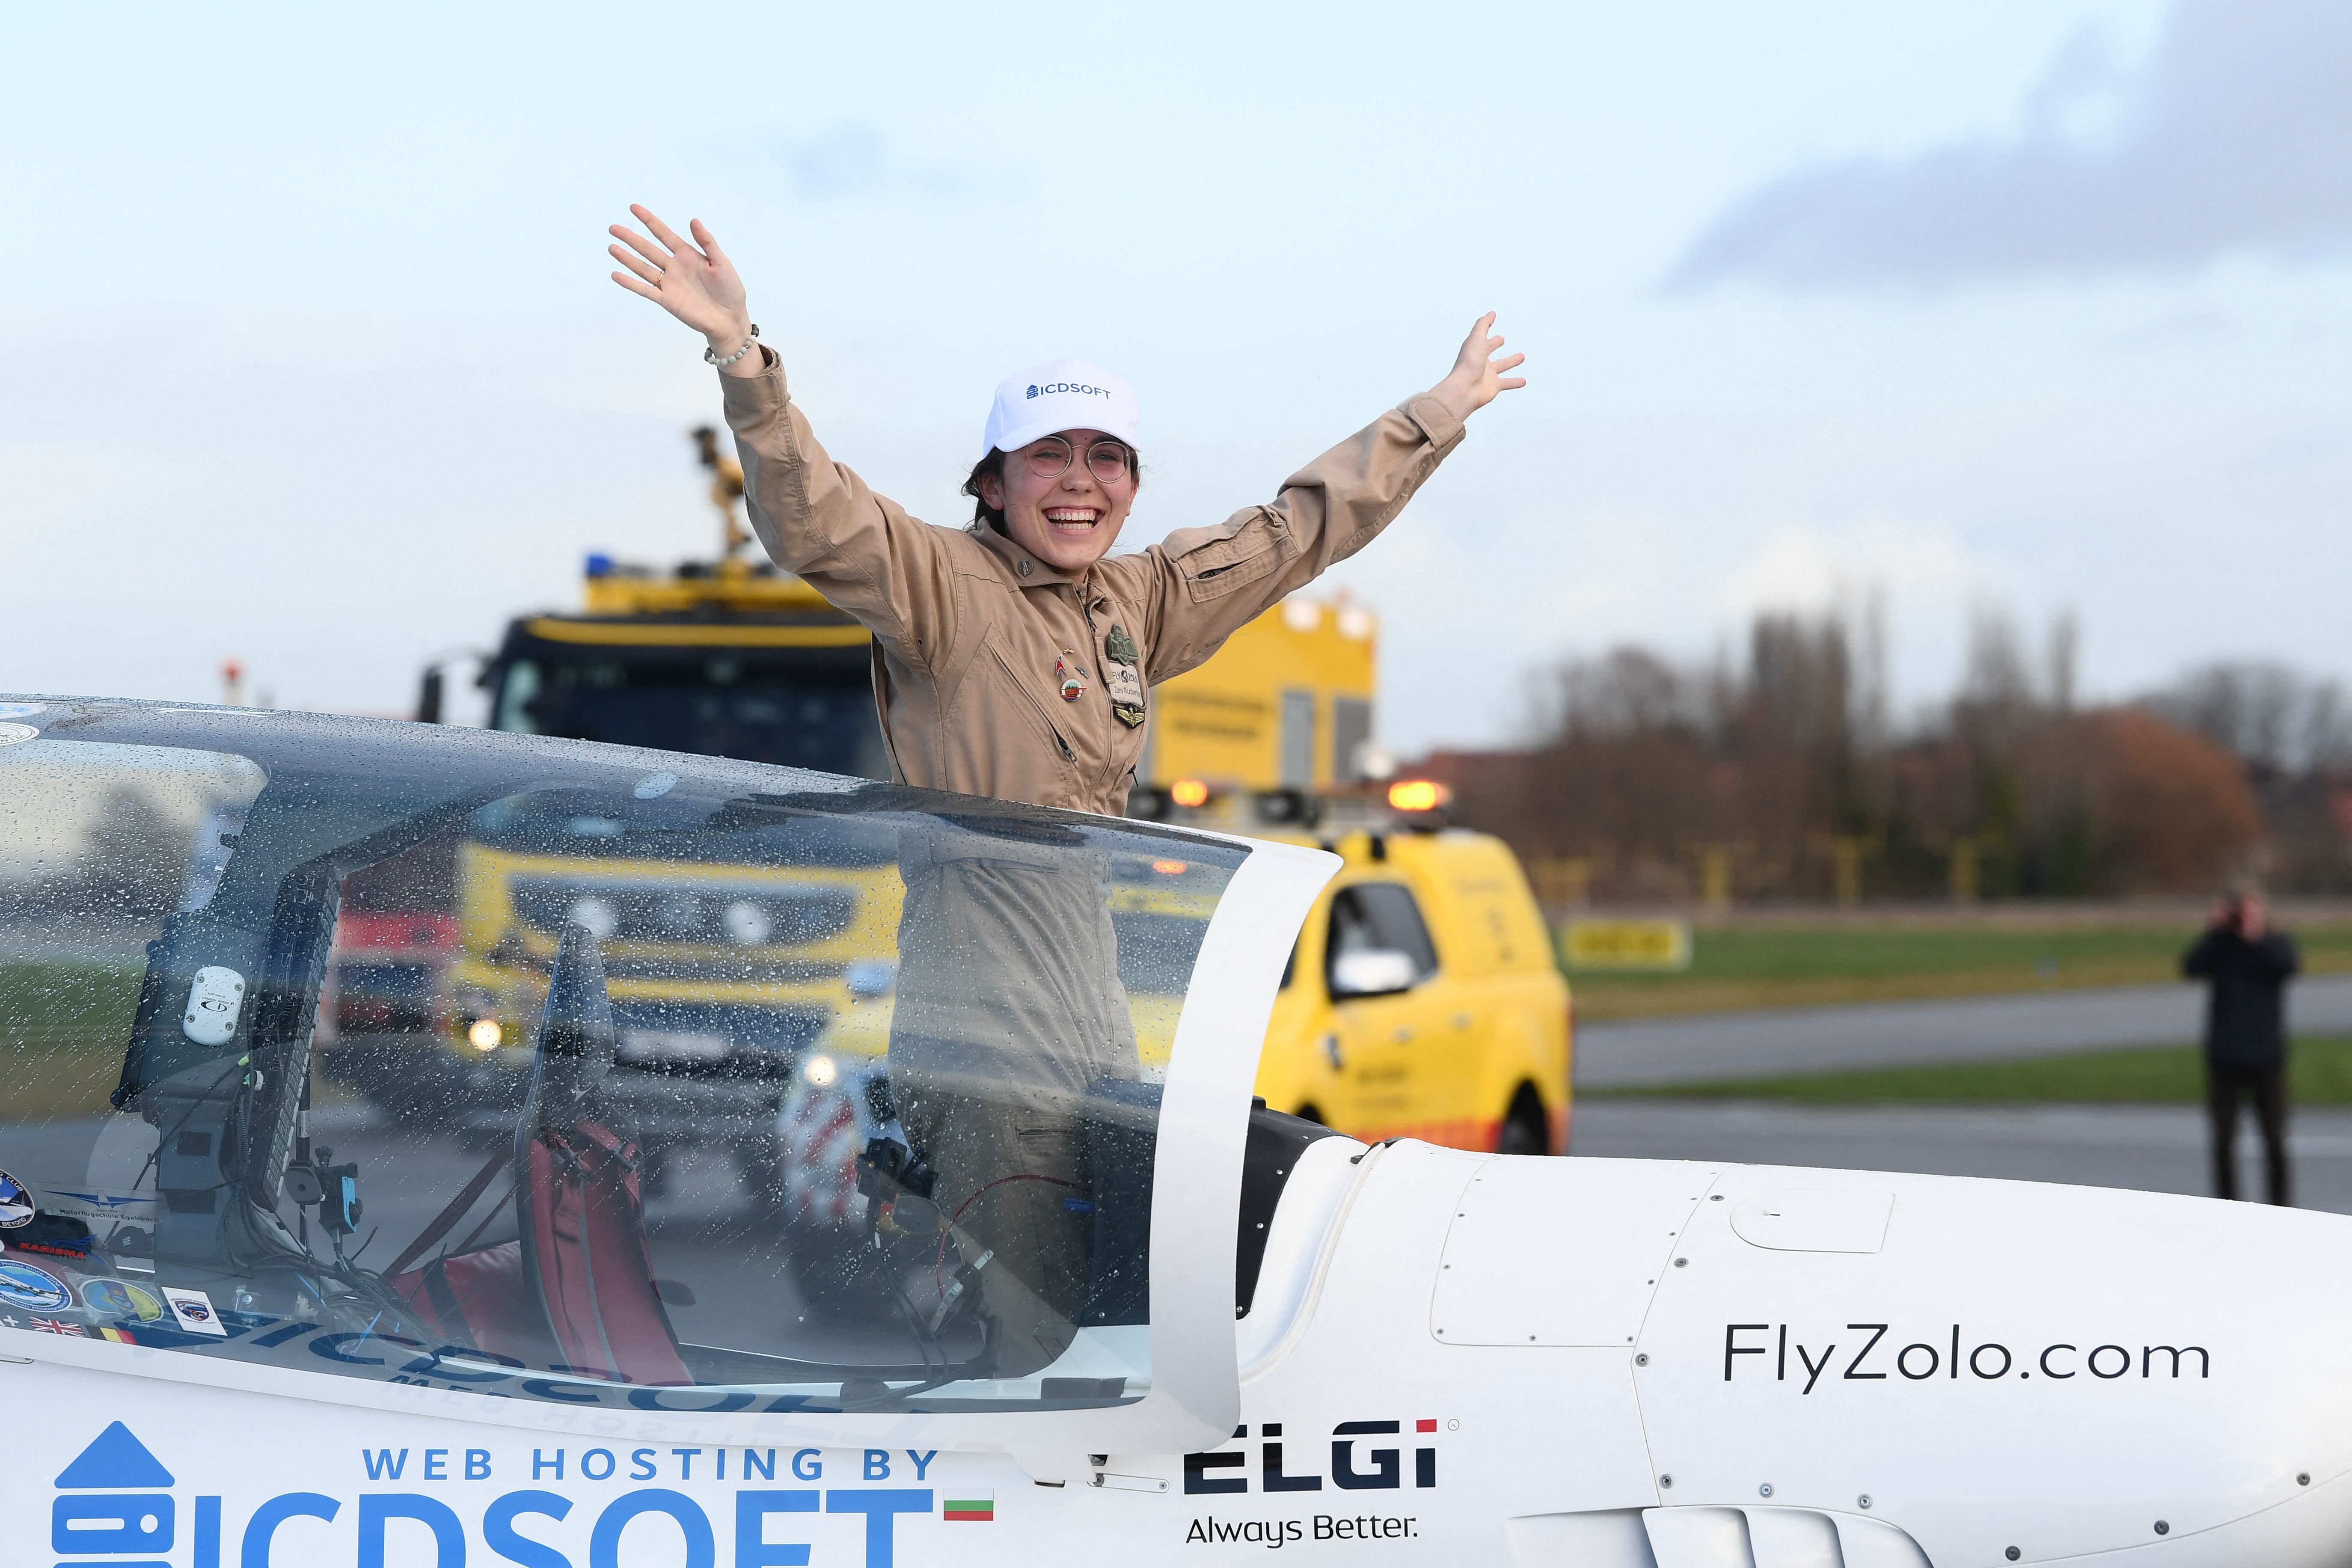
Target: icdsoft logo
[[113, 1500], [1078, 388], [110, 1502]]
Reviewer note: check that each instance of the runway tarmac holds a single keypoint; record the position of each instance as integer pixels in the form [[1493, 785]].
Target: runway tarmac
[[1821, 1039], [2156, 1149]]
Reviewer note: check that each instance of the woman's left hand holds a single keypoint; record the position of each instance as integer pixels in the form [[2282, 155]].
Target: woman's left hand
[[1477, 375]]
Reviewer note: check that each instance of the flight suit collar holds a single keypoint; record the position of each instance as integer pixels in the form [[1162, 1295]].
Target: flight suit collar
[[1027, 570]]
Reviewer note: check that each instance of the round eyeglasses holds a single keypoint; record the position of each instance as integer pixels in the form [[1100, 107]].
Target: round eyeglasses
[[1108, 460]]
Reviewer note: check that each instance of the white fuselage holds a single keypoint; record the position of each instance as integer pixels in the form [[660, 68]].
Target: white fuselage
[[1450, 1358]]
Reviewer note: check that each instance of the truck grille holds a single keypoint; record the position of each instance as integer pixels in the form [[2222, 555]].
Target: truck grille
[[685, 912]]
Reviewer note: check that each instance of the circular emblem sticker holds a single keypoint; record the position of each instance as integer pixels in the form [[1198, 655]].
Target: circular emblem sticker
[[23, 1285], [17, 1204], [119, 1299], [12, 733]]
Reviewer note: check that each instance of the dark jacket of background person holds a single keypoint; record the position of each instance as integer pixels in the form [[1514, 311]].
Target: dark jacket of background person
[[2245, 1022]]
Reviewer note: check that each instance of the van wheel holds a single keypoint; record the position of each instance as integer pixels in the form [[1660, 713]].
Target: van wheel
[[1525, 1129]]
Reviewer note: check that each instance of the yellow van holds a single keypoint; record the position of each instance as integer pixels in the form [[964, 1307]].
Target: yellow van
[[1422, 1000]]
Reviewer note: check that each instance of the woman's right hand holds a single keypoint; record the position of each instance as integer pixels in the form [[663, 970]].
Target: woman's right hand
[[693, 281]]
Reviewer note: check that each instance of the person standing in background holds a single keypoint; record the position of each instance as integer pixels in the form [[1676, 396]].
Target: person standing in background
[[2247, 965]]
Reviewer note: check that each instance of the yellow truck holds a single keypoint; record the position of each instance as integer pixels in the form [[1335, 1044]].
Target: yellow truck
[[1278, 722]]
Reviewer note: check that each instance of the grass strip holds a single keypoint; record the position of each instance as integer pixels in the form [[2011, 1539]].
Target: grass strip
[[1739, 967], [2319, 1072]]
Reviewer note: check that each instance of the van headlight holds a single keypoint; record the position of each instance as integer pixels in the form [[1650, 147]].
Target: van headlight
[[819, 1071], [485, 1034]]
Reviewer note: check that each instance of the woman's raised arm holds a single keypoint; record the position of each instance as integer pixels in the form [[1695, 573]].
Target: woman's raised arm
[[1207, 582], [692, 279]]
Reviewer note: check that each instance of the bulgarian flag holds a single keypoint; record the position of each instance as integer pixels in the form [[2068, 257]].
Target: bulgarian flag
[[980, 1509]]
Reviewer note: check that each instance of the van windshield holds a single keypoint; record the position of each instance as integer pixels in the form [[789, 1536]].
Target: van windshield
[[581, 1073]]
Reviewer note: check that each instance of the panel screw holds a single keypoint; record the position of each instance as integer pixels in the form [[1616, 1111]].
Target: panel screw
[[1641, 1360], [2012, 1555], [1764, 1491], [1682, 1262], [2162, 1528], [2303, 1479], [1667, 1483], [1862, 1501]]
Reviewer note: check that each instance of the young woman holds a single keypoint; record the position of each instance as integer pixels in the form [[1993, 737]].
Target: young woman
[[1015, 658]]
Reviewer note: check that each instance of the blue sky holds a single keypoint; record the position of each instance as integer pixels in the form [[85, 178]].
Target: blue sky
[[312, 360]]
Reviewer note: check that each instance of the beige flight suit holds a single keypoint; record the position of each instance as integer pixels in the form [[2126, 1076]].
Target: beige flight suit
[[969, 627], [1008, 1003]]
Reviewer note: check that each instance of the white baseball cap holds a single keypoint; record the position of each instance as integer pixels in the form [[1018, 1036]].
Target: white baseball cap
[[1066, 394]]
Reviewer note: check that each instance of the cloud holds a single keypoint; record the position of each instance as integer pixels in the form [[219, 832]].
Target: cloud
[[2234, 136], [856, 161]]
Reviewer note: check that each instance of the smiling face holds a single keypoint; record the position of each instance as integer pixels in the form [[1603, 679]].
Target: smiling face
[[1069, 520]]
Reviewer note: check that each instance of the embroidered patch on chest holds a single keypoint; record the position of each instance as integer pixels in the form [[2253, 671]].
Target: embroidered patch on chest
[[1121, 678]]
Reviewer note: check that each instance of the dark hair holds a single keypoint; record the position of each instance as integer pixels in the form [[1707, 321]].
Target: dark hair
[[983, 514], [988, 516]]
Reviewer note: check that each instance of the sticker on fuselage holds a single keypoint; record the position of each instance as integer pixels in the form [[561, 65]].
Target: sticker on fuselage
[[121, 1299], [16, 1203], [10, 734], [194, 1312], [30, 1286], [99, 1205]]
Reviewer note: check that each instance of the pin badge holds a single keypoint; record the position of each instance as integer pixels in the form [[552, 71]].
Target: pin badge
[[1122, 679], [1071, 678]]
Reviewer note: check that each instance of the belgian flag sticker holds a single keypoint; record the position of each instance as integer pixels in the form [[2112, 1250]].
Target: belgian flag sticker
[[980, 1509]]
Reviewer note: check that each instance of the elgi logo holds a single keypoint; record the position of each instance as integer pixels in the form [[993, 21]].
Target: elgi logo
[[1381, 1468], [1922, 1360]]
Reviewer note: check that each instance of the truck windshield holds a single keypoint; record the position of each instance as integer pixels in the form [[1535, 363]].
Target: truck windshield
[[810, 708]]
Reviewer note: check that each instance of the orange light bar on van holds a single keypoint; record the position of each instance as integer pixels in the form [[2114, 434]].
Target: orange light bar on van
[[1189, 792], [1418, 795]]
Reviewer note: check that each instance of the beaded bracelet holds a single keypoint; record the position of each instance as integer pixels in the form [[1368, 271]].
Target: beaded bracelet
[[711, 356]]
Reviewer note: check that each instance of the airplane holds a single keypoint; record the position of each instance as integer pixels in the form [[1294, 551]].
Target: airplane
[[1094, 1303]]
